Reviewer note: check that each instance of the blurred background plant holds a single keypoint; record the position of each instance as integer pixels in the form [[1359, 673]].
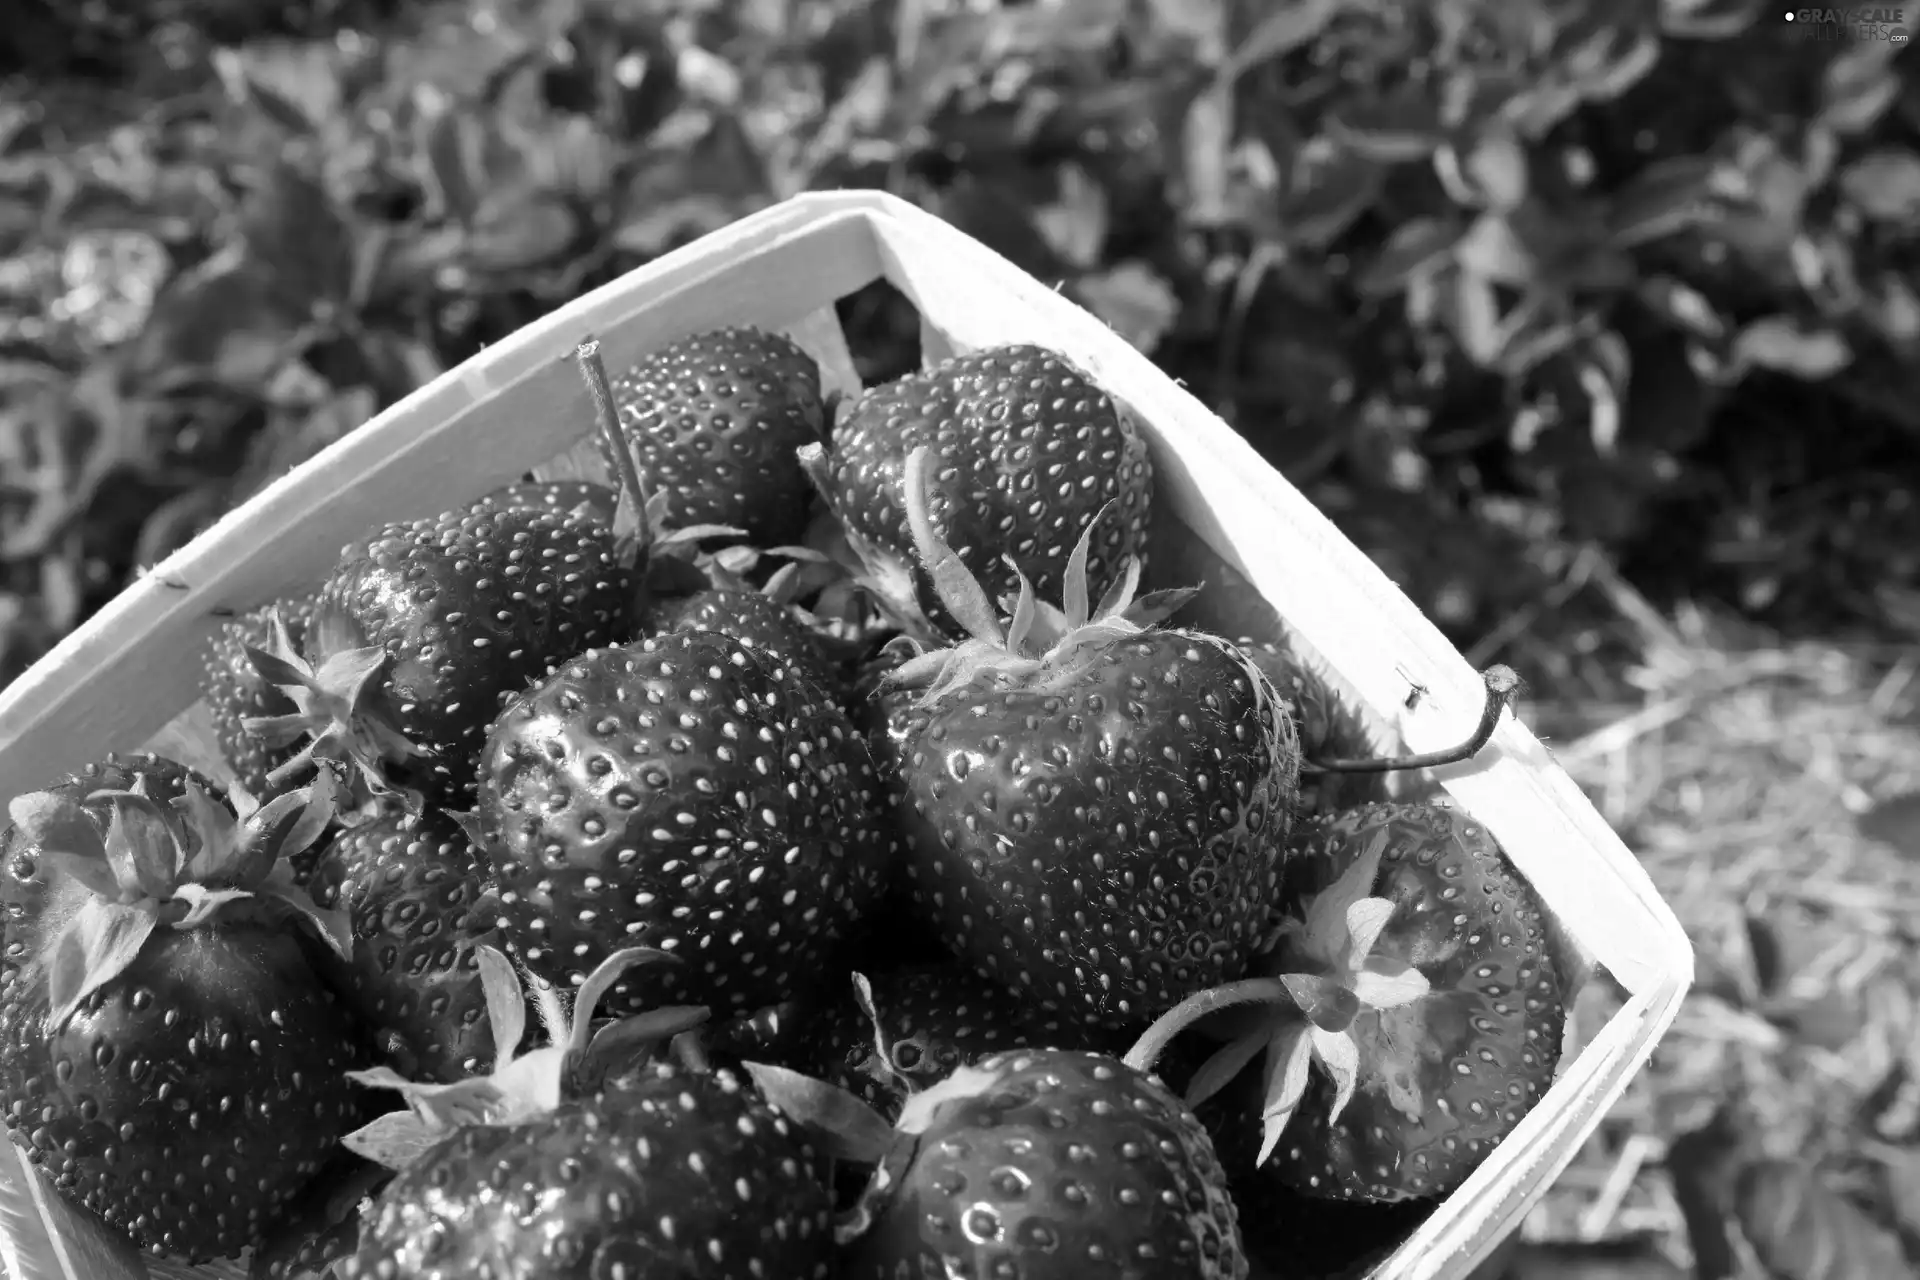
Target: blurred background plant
[[1572, 313]]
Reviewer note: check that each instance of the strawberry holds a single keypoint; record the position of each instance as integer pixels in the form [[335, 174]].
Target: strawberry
[[686, 792], [167, 1054], [913, 1027], [1329, 729], [665, 1171], [412, 889], [688, 590], [752, 617], [713, 422], [422, 630], [1414, 1016], [235, 692], [1094, 808], [1034, 1163], [557, 496], [1027, 448]]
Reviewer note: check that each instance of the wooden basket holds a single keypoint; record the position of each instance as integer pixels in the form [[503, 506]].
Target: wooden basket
[[128, 676]]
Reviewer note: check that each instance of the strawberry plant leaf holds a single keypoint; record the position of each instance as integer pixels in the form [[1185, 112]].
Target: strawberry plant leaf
[[1474, 318], [1284, 29], [1902, 1176], [1075, 222], [1135, 302], [1496, 164], [1329, 199], [1884, 185], [1665, 197], [1493, 250], [447, 142], [93, 949], [1708, 19], [1800, 1227], [1402, 126], [1416, 249], [291, 222], [1859, 86], [224, 319], [518, 231], [291, 84], [1612, 62], [1783, 344]]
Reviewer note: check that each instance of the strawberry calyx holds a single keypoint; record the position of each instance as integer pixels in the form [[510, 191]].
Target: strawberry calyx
[[852, 1129], [179, 866], [1306, 1014], [341, 712], [885, 577], [678, 565], [521, 1086], [1040, 644]]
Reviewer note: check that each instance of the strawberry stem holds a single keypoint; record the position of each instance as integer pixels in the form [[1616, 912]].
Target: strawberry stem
[[1503, 686], [1153, 1042], [600, 387]]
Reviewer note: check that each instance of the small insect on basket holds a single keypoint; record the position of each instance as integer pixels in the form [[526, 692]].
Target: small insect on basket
[[1466, 900]]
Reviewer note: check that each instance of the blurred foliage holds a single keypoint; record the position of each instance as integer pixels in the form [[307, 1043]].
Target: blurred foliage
[[1501, 285]]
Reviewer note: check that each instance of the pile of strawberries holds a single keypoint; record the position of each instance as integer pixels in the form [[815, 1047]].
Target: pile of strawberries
[[897, 890]]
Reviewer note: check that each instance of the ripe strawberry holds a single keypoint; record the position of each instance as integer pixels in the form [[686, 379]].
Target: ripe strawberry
[[1421, 984], [235, 692], [1035, 1163], [1027, 448], [425, 628], [412, 888], [713, 421], [665, 1171], [913, 1027], [167, 1055], [691, 591], [557, 496], [686, 792], [1329, 729], [1095, 809]]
